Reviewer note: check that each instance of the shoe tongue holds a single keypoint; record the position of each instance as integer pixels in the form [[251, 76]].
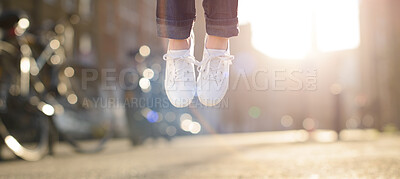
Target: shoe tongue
[[217, 52], [177, 53]]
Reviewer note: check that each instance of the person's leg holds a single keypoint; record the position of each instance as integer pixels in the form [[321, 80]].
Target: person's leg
[[215, 42], [175, 21], [221, 22]]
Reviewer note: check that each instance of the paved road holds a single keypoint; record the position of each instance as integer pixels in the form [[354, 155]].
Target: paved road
[[220, 156]]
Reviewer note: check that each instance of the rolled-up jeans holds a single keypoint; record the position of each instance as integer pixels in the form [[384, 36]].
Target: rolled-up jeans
[[175, 18]]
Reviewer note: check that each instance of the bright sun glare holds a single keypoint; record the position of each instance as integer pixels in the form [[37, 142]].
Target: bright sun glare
[[285, 28]]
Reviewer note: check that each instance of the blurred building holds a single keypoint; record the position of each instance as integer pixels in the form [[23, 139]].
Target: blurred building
[[380, 60], [106, 32], [107, 36], [355, 88]]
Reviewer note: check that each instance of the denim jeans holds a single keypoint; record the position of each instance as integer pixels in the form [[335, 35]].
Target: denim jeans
[[175, 18]]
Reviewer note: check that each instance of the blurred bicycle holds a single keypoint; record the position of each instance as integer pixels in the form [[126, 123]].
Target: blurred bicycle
[[39, 91]]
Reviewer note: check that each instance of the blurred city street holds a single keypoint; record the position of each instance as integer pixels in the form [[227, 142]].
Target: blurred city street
[[251, 155], [303, 91]]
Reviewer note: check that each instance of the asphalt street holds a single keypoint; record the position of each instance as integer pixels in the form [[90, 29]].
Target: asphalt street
[[253, 155]]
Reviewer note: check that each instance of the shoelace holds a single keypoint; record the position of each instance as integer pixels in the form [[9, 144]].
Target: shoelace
[[210, 71], [180, 69]]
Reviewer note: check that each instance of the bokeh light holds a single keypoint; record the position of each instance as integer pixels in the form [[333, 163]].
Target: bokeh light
[[286, 121], [54, 44], [48, 109], [26, 50], [195, 128], [353, 123], [23, 23], [156, 67], [13, 144], [336, 89], [144, 84], [58, 109], [324, 136], [59, 28], [144, 50], [74, 19], [72, 98], [186, 125], [254, 112], [148, 73], [39, 87], [309, 124], [152, 116], [368, 121], [69, 72], [145, 111], [55, 59], [62, 88], [170, 130], [185, 116], [25, 65]]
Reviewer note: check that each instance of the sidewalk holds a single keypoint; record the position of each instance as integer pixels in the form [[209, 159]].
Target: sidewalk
[[219, 156]]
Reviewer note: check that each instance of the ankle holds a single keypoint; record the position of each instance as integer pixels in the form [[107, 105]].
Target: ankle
[[218, 43], [175, 44]]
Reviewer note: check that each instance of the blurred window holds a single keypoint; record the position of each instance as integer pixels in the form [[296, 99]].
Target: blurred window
[[85, 44], [291, 29], [69, 6], [110, 19], [85, 9], [51, 2], [337, 24]]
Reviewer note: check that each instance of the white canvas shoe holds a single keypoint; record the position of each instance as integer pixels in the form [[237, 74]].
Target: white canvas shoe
[[213, 79], [180, 84]]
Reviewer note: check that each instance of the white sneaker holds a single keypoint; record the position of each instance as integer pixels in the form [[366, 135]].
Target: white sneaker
[[213, 79], [180, 84]]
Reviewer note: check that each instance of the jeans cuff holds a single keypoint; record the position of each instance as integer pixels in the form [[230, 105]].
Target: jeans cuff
[[222, 27], [173, 29]]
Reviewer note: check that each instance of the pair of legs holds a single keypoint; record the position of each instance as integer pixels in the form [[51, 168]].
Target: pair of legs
[[213, 42], [175, 21]]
